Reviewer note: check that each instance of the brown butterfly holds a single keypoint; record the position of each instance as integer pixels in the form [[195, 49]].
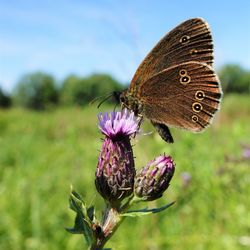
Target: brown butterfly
[[175, 85]]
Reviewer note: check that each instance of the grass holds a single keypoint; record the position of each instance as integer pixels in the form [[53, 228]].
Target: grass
[[42, 154]]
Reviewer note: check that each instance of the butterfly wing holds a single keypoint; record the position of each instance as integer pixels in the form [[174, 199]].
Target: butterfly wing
[[189, 41], [186, 96]]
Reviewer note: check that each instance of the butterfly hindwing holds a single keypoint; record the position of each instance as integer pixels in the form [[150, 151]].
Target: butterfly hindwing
[[186, 96]]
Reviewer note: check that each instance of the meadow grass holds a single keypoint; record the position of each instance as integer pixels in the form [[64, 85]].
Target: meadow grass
[[43, 153]]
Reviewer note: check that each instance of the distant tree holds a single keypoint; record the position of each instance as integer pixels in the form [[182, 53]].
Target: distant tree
[[80, 91], [5, 100], [36, 91], [235, 79], [69, 90]]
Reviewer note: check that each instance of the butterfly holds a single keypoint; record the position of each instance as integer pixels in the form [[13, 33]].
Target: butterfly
[[176, 85]]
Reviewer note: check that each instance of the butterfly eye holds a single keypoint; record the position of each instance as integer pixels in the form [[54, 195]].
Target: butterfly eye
[[195, 118], [185, 39], [199, 95], [182, 72], [185, 79], [197, 107], [193, 52]]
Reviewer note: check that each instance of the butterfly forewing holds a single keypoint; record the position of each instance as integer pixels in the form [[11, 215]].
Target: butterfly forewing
[[189, 41], [186, 96]]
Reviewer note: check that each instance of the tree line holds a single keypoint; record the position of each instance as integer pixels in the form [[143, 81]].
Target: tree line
[[40, 91]]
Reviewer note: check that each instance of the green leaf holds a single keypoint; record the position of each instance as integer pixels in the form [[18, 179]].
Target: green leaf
[[82, 227], [78, 226], [78, 205], [145, 211], [78, 202], [91, 213], [78, 196], [83, 222]]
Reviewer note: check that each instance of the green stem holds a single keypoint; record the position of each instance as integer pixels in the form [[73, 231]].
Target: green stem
[[112, 221]]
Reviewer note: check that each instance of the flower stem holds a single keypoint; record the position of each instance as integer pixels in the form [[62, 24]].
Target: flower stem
[[111, 222]]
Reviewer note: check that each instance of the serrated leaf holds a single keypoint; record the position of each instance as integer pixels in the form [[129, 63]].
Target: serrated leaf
[[145, 211], [82, 227], [78, 226], [82, 221], [78, 205], [78, 196]]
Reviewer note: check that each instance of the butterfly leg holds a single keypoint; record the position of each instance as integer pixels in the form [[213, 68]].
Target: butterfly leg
[[163, 131]]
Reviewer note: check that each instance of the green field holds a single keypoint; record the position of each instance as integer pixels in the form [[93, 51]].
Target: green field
[[42, 154]]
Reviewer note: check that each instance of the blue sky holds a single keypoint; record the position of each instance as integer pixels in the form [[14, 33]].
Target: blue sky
[[84, 37]]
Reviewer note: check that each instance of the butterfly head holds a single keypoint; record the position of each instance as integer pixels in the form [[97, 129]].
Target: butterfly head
[[127, 101]]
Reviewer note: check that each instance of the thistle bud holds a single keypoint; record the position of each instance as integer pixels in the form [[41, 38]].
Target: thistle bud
[[154, 179], [115, 169]]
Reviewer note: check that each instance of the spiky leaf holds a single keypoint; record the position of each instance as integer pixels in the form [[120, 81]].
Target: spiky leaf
[[145, 211]]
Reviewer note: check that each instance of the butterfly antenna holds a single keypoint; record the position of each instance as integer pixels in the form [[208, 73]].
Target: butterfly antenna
[[95, 99], [104, 100], [100, 97]]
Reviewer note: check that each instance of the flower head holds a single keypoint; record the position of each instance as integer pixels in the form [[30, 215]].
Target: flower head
[[186, 179], [154, 179], [115, 169], [118, 123]]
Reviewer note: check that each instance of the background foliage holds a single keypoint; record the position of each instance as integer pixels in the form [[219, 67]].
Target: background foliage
[[235, 79], [5, 100], [36, 91], [81, 91]]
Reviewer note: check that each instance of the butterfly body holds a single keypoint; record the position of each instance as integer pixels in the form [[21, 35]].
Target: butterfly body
[[176, 85]]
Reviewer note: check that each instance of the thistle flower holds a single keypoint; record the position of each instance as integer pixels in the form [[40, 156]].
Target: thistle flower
[[115, 169], [118, 124], [186, 179], [154, 179]]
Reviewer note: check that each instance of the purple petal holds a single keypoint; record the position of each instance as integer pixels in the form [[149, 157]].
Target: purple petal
[[118, 123]]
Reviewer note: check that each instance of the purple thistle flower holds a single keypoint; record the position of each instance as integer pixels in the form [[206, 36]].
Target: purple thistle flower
[[186, 179], [115, 169], [117, 124], [246, 153], [154, 179]]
